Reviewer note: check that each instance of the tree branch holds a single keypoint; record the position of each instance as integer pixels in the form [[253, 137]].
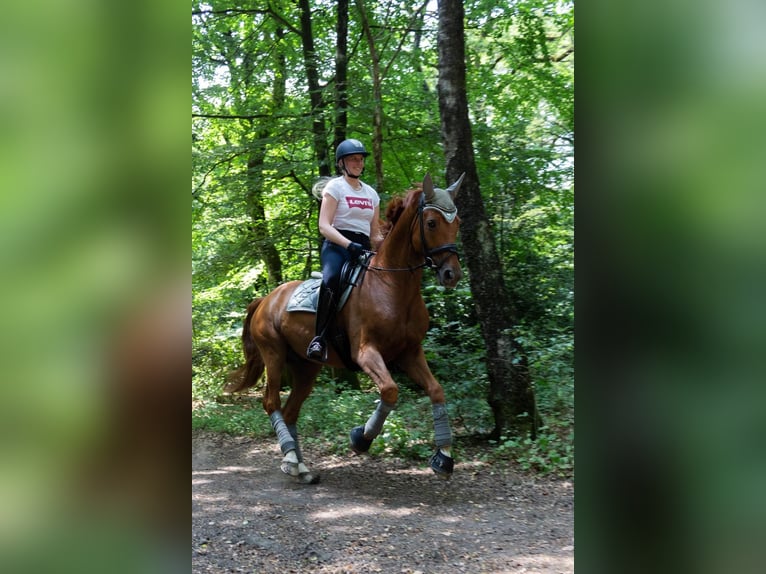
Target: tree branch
[[563, 55], [238, 12], [247, 116]]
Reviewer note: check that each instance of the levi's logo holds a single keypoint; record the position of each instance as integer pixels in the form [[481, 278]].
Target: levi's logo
[[360, 202]]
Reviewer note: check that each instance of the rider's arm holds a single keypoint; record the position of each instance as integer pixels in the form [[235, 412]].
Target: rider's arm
[[326, 216]]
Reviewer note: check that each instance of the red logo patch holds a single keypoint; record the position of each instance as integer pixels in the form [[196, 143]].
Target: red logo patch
[[359, 202]]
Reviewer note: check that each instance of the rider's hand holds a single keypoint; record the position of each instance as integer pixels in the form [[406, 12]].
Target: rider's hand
[[355, 249]]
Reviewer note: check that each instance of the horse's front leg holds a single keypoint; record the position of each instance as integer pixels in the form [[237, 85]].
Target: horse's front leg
[[372, 363], [416, 367]]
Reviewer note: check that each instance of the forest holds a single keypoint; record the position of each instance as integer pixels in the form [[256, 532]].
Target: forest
[[277, 84]]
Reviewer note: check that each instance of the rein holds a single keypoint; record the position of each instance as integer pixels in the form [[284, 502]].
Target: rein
[[427, 252]]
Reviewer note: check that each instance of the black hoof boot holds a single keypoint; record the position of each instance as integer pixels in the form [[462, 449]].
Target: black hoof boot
[[359, 444], [442, 464]]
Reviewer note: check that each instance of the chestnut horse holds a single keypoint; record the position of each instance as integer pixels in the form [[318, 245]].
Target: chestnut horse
[[385, 320]]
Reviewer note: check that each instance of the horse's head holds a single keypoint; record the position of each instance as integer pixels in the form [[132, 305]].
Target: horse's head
[[439, 225]]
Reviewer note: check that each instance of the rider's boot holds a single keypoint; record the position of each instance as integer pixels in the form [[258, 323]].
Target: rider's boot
[[317, 348]]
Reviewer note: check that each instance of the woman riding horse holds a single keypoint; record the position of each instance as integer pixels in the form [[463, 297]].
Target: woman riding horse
[[348, 221], [385, 320]]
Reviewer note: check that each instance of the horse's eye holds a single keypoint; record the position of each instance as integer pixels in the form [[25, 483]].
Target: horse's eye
[[431, 224]]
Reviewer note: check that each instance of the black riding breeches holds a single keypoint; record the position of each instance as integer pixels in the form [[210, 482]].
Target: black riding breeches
[[334, 256]]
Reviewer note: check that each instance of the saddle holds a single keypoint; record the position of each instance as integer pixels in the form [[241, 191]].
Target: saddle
[[306, 295]]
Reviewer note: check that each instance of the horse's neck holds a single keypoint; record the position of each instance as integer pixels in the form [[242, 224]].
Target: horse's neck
[[396, 251], [398, 268]]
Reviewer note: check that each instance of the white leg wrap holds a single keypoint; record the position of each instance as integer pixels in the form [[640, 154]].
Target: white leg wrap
[[374, 424], [292, 463], [442, 431], [293, 429], [286, 442]]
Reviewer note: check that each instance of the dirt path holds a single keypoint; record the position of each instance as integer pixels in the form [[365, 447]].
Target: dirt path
[[370, 515]]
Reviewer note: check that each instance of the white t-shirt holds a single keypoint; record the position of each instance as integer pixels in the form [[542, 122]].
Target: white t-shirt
[[356, 208]]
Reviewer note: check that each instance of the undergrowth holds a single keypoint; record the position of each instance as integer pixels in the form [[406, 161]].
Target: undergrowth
[[455, 351], [327, 417], [330, 413]]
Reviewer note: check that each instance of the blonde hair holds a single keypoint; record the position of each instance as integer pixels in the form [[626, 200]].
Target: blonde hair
[[319, 185]]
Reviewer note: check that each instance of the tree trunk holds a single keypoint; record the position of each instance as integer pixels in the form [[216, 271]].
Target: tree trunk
[[260, 237], [510, 395], [318, 127], [261, 240], [377, 97], [341, 74]]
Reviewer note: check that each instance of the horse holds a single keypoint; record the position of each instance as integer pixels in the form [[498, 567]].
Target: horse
[[385, 321]]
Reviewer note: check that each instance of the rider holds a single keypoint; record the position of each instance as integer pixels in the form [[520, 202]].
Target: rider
[[349, 222]]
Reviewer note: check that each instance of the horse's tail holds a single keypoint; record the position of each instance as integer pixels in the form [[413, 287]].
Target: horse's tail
[[248, 374]]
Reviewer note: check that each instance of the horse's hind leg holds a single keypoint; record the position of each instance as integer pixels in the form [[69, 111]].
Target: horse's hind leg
[[272, 402], [303, 377]]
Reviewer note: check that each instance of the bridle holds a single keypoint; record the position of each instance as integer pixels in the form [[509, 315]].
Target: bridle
[[428, 253]]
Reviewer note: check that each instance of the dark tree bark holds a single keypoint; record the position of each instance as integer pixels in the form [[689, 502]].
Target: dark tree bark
[[341, 74], [318, 126], [377, 96], [345, 377], [510, 394], [260, 238]]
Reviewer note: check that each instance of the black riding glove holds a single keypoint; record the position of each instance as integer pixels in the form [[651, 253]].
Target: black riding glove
[[355, 249]]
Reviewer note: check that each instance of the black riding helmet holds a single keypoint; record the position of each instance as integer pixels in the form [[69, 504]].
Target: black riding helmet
[[348, 147]]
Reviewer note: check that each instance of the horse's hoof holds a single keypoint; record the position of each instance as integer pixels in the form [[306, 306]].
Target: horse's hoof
[[299, 471], [308, 478], [442, 464], [289, 468], [359, 444]]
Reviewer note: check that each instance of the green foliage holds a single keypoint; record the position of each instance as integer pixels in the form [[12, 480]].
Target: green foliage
[[212, 359], [552, 365], [244, 418], [552, 452], [455, 352]]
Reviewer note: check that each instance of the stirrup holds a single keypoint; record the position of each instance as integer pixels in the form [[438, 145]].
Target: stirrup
[[317, 350]]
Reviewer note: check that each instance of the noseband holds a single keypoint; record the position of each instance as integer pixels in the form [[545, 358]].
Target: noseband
[[427, 252]]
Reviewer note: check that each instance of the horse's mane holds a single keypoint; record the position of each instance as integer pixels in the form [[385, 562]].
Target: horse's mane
[[396, 206]]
